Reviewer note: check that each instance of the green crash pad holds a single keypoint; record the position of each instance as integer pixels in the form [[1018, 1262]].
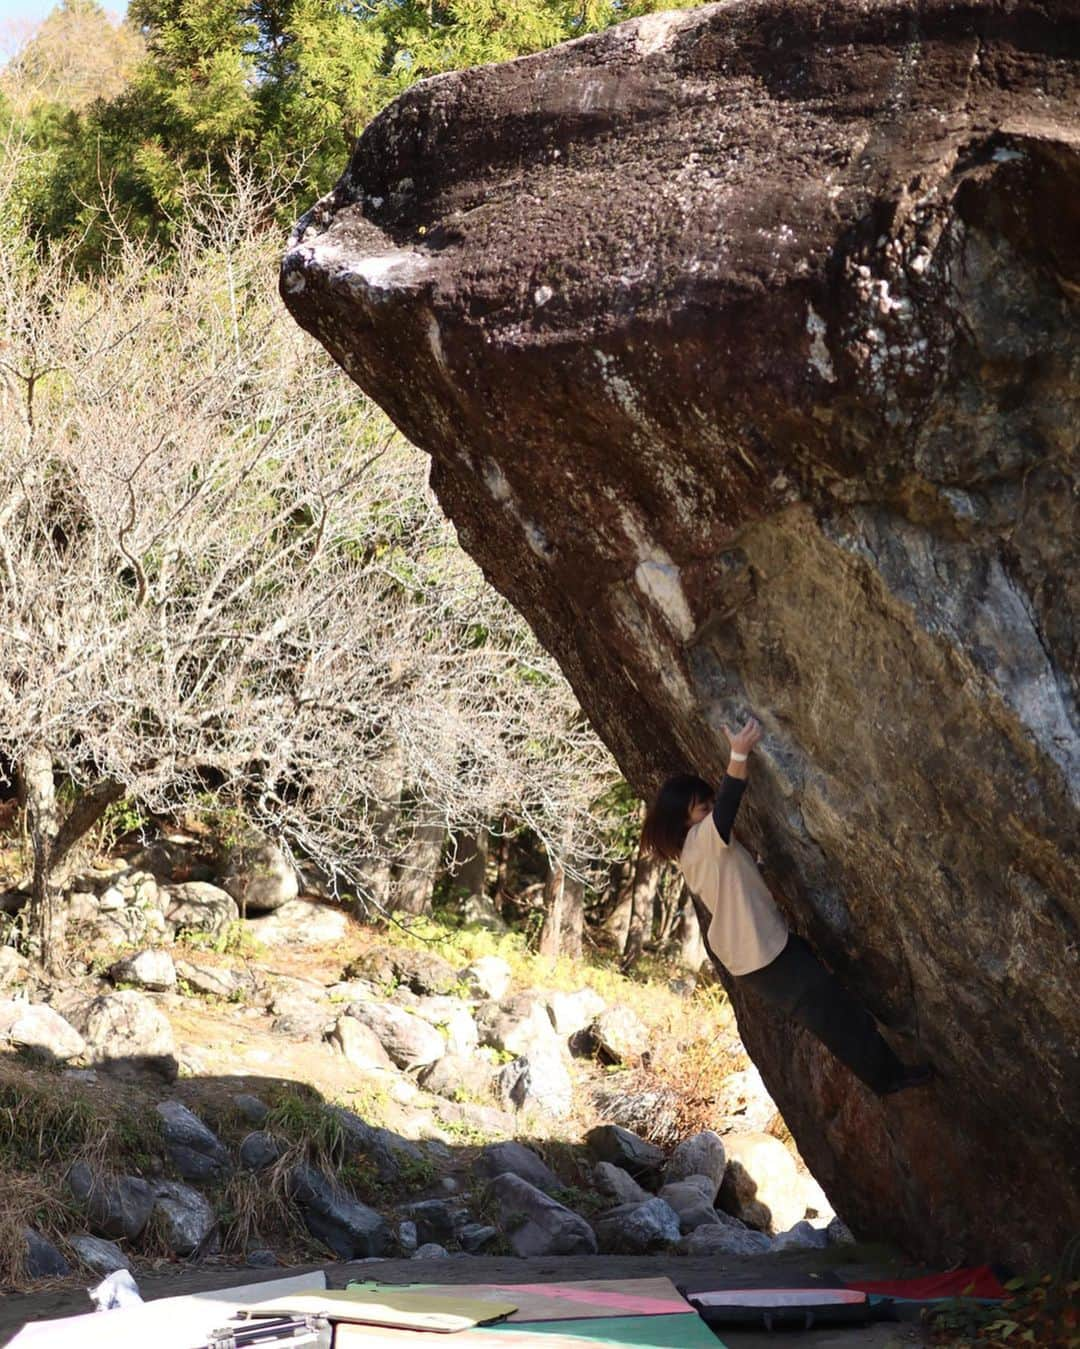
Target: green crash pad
[[686, 1330]]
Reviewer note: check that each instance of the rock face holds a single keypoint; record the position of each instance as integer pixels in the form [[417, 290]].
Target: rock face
[[743, 340]]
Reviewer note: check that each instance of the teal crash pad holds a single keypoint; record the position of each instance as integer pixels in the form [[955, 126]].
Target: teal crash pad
[[685, 1330]]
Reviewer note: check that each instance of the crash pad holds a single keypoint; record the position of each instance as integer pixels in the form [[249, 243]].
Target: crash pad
[[408, 1309], [980, 1281], [683, 1331], [562, 1301]]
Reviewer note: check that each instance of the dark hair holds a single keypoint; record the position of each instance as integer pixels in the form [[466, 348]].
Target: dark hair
[[664, 830]]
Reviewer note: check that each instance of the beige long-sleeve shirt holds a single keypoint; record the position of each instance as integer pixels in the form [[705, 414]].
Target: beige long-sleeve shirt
[[747, 931]]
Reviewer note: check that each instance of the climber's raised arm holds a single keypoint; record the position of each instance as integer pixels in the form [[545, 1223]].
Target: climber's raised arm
[[733, 784]]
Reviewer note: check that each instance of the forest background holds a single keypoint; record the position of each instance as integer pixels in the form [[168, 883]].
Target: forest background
[[227, 594]]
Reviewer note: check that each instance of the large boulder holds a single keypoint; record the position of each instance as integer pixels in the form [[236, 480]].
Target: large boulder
[[151, 969], [195, 1150], [538, 1078], [702, 1154], [536, 1224], [409, 1040], [117, 1206], [259, 876], [515, 1159], [300, 922], [638, 1229], [198, 906], [185, 1219], [610, 1143], [750, 371], [619, 1035], [40, 1032], [126, 1034], [516, 1025], [762, 1185], [350, 1229]]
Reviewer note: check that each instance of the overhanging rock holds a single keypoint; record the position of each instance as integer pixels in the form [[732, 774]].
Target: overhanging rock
[[744, 344]]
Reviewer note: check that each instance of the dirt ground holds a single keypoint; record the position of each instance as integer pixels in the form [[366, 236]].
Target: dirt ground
[[690, 1274]]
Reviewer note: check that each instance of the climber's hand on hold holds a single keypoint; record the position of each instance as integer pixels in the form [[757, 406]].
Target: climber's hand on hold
[[742, 742]]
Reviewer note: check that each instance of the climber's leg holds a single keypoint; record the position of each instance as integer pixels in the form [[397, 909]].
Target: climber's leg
[[797, 982]]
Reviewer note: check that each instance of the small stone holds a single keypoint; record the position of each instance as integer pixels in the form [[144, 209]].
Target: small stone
[[196, 906], [692, 1199], [210, 980], [111, 898], [408, 1238], [431, 1250], [436, 1220], [516, 1025], [301, 922], [839, 1234], [261, 1259], [723, 1239], [454, 1076], [260, 877]]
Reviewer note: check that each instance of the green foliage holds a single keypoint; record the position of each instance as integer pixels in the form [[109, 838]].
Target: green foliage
[[285, 82]]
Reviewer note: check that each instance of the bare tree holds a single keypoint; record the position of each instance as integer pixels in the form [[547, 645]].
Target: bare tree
[[223, 572]]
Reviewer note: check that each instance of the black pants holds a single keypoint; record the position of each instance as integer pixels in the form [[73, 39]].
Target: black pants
[[800, 985]]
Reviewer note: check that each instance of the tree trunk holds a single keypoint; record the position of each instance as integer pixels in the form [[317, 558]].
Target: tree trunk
[[470, 866], [419, 866], [617, 923], [690, 951], [647, 872], [502, 868], [564, 912], [46, 918], [384, 810]]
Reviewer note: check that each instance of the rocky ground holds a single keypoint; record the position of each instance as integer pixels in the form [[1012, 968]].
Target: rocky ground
[[269, 1090]]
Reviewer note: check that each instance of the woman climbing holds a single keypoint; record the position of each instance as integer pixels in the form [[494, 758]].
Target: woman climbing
[[691, 824]]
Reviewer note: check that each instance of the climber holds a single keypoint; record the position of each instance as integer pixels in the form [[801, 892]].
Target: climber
[[691, 824]]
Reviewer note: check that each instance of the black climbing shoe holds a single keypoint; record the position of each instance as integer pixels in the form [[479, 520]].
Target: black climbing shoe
[[917, 1076]]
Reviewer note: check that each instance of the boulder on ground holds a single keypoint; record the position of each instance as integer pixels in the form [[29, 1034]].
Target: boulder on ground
[[487, 977], [151, 969], [724, 1239], [196, 1151], [350, 1229], [482, 1119], [475, 1237], [127, 1034], [454, 1019], [535, 1224], [42, 1259], [572, 1012], [215, 981], [500, 1159], [802, 1237], [184, 1218], [259, 876], [98, 1255], [408, 1039], [743, 1102], [251, 1108], [300, 922], [693, 1200], [436, 1219], [115, 1206], [516, 1024], [197, 906], [610, 1143], [701, 1155], [761, 1185], [619, 1035], [14, 966], [302, 1015], [618, 1185], [40, 1032], [538, 1078], [638, 1229], [259, 1150], [359, 1044], [423, 972], [454, 1076]]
